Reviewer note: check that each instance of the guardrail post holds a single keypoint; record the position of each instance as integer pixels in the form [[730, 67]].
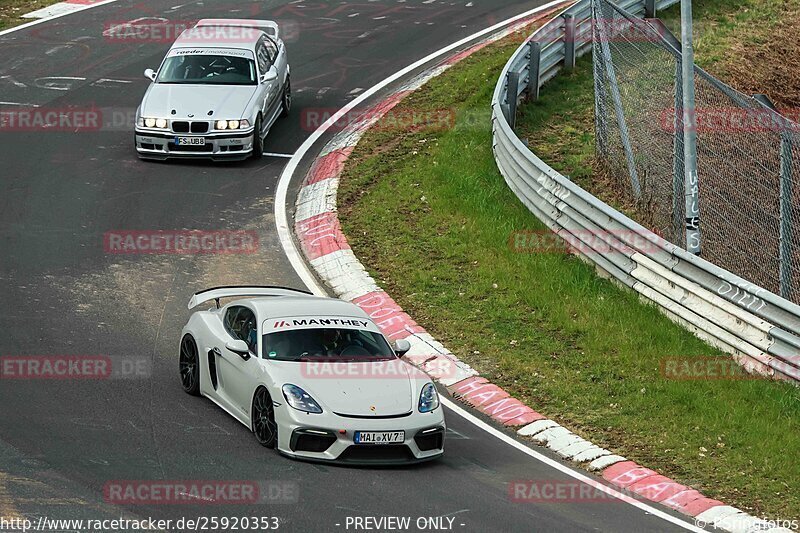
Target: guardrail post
[[512, 95], [534, 64], [569, 41], [636, 186], [785, 265], [649, 9]]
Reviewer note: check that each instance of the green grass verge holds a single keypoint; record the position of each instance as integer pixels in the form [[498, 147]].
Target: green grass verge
[[430, 216], [11, 11]]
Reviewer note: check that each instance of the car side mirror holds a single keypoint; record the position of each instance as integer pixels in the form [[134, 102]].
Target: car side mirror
[[270, 75], [401, 347], [150, 74], [239, 347]]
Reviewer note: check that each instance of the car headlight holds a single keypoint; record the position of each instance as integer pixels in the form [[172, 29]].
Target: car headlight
[[232, 124], [428, 398], [300, 399], [150, 122]]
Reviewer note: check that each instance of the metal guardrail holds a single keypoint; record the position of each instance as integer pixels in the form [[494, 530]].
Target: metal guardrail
[[760, 329]]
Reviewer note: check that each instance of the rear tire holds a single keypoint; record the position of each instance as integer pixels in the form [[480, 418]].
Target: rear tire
[[263, 419], [189, 364], [258, 140]]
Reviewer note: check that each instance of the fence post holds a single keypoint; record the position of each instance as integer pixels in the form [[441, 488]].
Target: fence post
[[534, 64], [677, 165], [511, 95], [619, 112], [569, 41], [785, 231], [691, 180], [649, 9], [786, 214], [600, 99]]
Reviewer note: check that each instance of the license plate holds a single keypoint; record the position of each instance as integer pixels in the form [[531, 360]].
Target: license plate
[[379, 437], [190, 141]]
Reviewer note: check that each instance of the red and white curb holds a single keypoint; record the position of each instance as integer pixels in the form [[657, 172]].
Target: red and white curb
[[328, 252], [59, 9]]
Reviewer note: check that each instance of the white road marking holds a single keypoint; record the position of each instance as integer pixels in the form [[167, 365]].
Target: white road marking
[[59, 15], [274, 154], [106, 82], [13, 81], [310, 280], [19, 104]]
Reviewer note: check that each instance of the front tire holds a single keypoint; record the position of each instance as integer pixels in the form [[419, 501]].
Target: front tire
[[263, 419], [258, 140], [287, 97], [189, 363]]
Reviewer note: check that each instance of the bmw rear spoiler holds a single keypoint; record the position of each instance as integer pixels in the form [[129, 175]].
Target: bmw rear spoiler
[[269, 27], [216, 293]]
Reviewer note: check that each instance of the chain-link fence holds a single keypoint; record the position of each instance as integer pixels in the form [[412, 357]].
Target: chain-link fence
[[747, 154]]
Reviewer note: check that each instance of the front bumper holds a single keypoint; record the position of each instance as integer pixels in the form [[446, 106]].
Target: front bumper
[[320, 437], [226, 146]]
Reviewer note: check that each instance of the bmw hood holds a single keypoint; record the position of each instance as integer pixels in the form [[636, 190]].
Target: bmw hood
[[378, 388], [222, 101]]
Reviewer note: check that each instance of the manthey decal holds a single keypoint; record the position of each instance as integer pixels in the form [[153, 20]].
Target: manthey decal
[[279, 324]]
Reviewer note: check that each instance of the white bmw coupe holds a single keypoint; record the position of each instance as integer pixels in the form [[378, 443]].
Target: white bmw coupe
[[218, 91]]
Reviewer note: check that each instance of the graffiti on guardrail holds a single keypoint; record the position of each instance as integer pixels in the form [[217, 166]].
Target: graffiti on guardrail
[[743, 294]]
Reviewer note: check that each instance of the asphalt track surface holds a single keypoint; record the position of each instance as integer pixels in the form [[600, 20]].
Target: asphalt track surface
[[61, 442]]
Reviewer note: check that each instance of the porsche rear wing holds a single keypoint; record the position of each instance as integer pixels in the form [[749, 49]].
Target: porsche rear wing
[[216, 293], [269, 27]]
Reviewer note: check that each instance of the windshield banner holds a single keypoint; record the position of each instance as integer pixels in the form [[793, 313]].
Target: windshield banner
[[234, 52], [316, 322]]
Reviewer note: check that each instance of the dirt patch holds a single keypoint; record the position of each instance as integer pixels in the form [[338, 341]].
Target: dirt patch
[[769, 64]]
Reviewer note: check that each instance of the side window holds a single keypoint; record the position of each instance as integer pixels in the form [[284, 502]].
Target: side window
[[240, 323], [230, 319], [262, 58], [272, 50]]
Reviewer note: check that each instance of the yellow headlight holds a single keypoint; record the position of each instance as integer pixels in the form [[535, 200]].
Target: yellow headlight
[[150, 122], [161, 123], [233, 124], [222, 124]]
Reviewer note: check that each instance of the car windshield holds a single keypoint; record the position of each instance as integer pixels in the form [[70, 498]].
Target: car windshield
[[328, 344], [208, 69]]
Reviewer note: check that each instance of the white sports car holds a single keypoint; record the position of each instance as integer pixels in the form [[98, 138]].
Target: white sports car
[[218, 91], [311, 376]]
